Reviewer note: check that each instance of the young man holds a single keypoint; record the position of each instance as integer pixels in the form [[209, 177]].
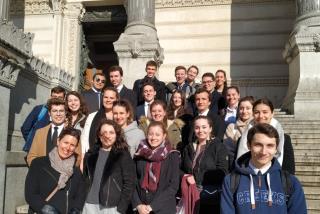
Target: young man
[[38, 118], [93, 96], [260, 186], [208, 83], [149, 95], [180, 73], [202, 101], [192, 74], [159, 86], [45, 138], [116, 75]]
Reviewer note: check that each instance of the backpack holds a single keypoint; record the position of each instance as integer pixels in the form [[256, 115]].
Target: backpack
[[285, 180]]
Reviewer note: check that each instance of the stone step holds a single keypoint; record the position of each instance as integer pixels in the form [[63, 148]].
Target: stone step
[[309, 180], [304, 136], [312, 193], [302, 160], [310, 144], [307, 152], [308, 170], [313, 206]]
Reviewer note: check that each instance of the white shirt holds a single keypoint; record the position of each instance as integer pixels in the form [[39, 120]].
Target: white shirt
[[205, 113], [262, 170], [146, 108], [119, 88], [231, 115], [60, 127]]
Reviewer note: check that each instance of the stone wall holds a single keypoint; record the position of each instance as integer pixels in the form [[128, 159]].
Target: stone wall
[[245, 38]]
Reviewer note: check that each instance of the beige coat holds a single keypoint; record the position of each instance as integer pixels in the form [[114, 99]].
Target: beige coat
[[39, 146]]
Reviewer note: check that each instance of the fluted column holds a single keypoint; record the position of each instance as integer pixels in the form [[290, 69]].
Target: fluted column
[[139, 42], [4, 9], [301, 53]]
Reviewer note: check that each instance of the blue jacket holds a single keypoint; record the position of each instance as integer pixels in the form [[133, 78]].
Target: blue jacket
[[240, 202], [31, 124]]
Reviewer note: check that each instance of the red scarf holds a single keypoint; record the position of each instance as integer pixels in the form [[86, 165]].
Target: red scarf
[[153, 166]]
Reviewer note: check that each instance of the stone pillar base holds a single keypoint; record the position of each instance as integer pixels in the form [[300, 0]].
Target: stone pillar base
[[303, 56], [133, 53]]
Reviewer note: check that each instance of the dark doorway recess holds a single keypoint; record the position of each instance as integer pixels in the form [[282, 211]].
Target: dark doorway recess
[[102, 25]]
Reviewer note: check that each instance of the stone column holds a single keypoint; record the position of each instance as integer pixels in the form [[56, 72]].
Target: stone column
[[302, 54], [139, 43], [4, 9]]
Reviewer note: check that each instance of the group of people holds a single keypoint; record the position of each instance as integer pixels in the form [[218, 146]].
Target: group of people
[[181, 147]]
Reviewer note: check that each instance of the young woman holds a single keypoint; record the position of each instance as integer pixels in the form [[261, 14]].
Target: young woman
[[109, 171], [205, 162], [178, 107], [123, 116], [220, 88], [263, 113], [53, 183], [157, 166], [88, 135], [77, 110], [174, 127]]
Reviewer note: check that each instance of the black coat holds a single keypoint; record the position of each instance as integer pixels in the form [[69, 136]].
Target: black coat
[[41, 181], [213, 164], [92, 100], [129, 95], [163, 200], [118, 179], [160, 88]]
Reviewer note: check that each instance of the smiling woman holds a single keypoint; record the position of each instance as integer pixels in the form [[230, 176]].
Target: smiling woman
[[53, 182]]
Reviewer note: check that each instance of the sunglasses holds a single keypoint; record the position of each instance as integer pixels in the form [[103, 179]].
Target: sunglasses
[[100, 80]]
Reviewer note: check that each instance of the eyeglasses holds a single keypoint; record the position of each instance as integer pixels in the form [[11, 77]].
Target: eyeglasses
[[207, 82], [100, 80]]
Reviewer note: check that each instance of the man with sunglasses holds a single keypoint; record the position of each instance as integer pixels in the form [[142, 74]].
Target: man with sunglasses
[[93, 96]]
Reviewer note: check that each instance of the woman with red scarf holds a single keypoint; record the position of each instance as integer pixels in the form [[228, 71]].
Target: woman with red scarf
[[157, 166]]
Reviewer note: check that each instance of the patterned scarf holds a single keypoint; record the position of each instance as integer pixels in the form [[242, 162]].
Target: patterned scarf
[[64, 167], [153, 166]]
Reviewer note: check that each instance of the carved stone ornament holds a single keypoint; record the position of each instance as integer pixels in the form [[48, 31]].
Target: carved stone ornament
[[30, 7], [50, 73], [195, 3], [15, 38], [9, 71]]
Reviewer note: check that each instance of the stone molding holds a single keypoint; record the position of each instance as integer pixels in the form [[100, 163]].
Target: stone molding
[[305, 40], [144, 47], [9, 71], [196, 3], [30, 7], [15, 38], [259, 82], [50, 73]]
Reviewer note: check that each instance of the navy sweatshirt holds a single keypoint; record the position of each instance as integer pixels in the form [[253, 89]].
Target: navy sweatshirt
[[241, 201]]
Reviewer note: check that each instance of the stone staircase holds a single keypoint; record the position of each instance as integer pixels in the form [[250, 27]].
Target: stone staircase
[[305, 137]]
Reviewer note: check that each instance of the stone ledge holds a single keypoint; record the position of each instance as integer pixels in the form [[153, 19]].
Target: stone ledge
[[15, 159]]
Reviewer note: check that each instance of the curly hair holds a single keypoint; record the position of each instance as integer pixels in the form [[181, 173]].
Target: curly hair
[[121, 143]]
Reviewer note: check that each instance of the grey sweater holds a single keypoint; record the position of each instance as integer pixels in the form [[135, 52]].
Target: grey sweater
[[133, 136]]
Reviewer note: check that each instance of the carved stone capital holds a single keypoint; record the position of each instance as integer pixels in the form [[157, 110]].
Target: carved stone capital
[[74, 10], [30, 7], [57, 6], [15, 39], [9, 71]]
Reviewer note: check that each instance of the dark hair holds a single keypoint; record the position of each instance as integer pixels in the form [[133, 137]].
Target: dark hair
[[151, 63], [125, 104], [208, 74], [199, 117], [83, 110], [202, 90], [116, 68], [235, 88], [120, 143], [225, 76], [160, 124], [263, 128], [148, 83], [98, 74], [195, 67], [180, 67], [163, 105], [264, 101], [108, 88], [56, 102], [247, 98], [70, 131], [171, 107], [58, 90]]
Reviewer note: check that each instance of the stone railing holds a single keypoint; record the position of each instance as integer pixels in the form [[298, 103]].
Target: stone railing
[[50, 73], [14, 38]]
